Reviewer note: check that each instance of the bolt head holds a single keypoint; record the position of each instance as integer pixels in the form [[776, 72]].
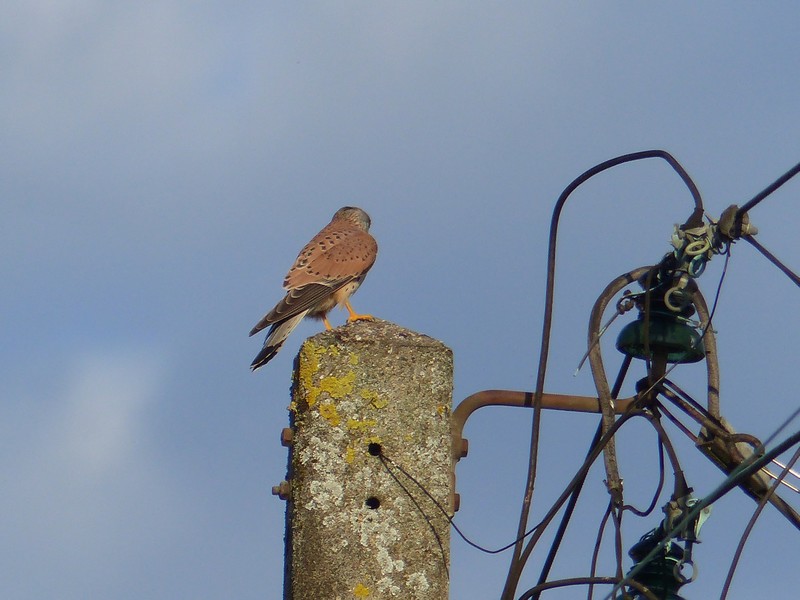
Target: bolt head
[[287, 436], [283, 490]]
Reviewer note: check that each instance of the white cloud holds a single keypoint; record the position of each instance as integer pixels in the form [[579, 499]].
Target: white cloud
[[85, 489], [104, 410]]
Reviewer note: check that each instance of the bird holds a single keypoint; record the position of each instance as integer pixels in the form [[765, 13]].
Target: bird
[[328, 270]]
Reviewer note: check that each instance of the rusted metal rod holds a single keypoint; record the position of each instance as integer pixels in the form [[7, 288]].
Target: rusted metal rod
[[478, 400]]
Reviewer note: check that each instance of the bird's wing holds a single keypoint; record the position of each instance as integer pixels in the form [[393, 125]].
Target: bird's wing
[[334, 257], [299, 300]]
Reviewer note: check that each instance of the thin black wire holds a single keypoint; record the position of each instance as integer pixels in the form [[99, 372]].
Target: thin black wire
[[597, 543], [681, 488], [385, 459], [766, 192], [761, 504], [590, 581], [573, 499], [424, 515], [562, 526], [752, 203], [746, 469], [773, 259], [727, 254], [675, 421], [659, 487], [556, 506], [518, 560], [616, 517]]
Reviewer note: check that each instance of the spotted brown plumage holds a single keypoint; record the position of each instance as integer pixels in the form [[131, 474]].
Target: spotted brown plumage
[[325, 274]]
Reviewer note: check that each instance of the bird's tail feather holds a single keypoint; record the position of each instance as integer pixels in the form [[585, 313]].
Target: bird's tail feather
[[277, 335]]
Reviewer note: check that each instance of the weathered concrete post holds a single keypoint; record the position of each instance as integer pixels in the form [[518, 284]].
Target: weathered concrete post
[[352, 531]]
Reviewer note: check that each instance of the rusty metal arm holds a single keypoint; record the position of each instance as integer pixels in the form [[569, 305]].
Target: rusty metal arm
[[478, 400]]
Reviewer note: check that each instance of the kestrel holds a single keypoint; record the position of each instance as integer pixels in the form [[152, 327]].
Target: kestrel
[[326, 273]]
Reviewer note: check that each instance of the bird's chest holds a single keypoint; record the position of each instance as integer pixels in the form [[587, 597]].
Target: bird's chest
[[344, 292]]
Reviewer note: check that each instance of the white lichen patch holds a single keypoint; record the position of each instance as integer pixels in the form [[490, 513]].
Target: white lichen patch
[[375, 533], [320, 452], [387, 586], [418, 582], [364, 478], [324, 495], [386, 563]]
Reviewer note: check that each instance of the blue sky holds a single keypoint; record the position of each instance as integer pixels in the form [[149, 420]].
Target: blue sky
[[163, 162]]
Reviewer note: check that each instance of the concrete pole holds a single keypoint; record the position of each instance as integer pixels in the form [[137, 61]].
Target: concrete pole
[[352, 532]]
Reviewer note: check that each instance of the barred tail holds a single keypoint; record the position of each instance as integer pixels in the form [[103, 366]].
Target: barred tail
[[277, 335]]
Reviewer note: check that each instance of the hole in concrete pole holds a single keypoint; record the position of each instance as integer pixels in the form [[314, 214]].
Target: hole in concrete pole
[[372, 503], [374, 449]]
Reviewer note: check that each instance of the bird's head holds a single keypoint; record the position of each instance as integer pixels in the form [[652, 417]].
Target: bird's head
[[354, 215]]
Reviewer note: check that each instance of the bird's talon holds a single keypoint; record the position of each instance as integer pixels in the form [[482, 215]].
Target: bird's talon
[[355, 317]]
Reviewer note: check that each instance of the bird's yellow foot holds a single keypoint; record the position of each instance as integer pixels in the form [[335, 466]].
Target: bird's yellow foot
[[326, 323], [354, 316]]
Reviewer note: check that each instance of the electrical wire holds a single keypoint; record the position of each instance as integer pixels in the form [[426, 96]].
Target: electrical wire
[[386, 461], [556, 506], [764, 193], [680, 485], [772, 258], [519, 556], [590, 581], [424, 515], [605, 397], [659, 487], [741, 212], [728, 437], [565, 518], [597, 543], [573, 499], [748, 467], [761, 504], [518, 561], [538, 529], [670, 388], [735, 476], [616, 517]]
